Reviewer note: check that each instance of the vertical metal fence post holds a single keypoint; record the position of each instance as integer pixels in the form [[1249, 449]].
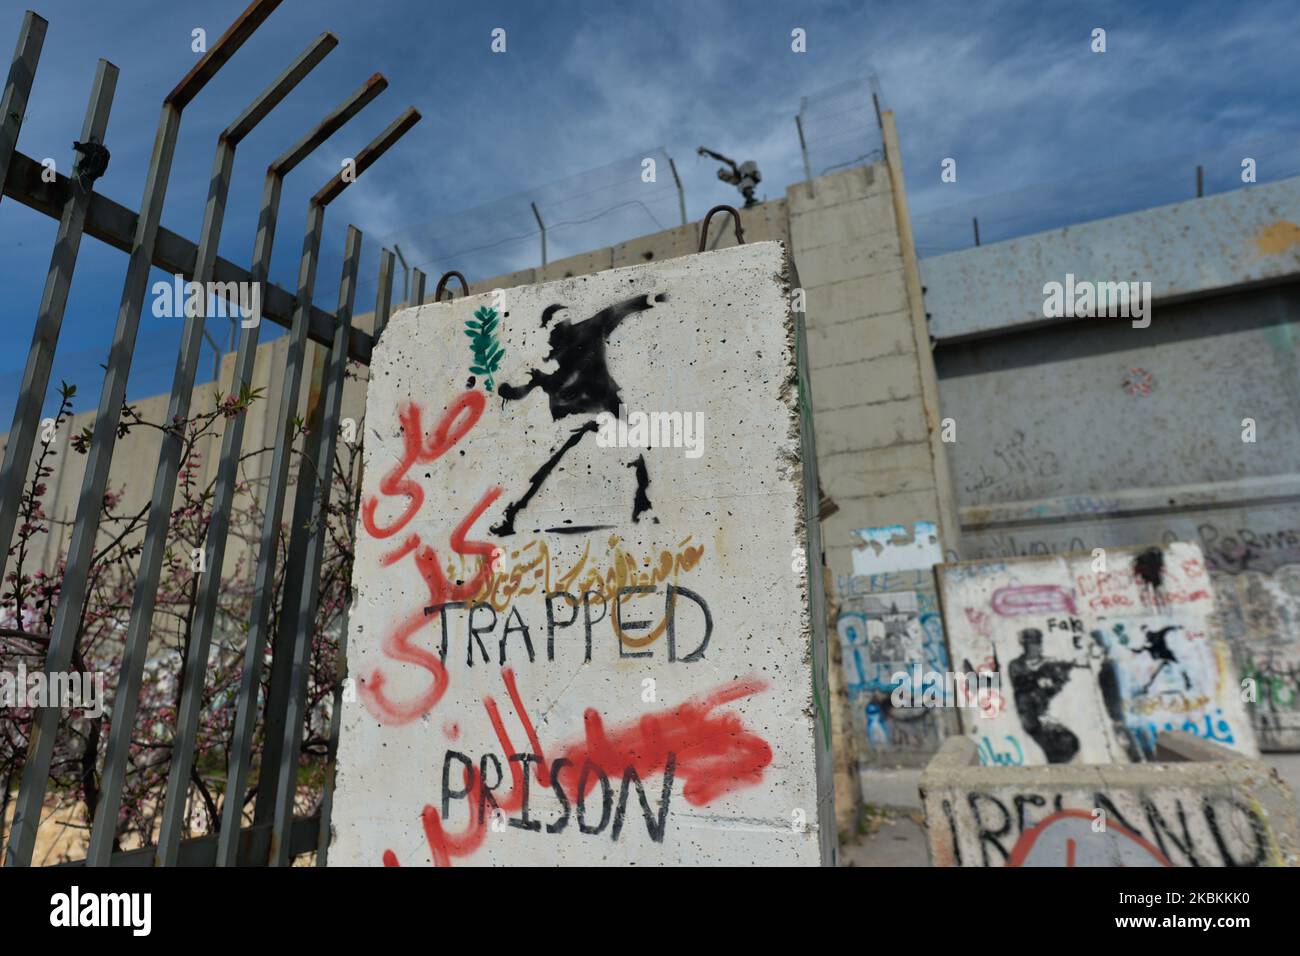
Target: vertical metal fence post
[[803, 148], [417, 288], [306, 549], [232, 440], [384, 297], [13, 109], [681, 193], [67, 620], [383, 308], [277, 704], [537, 214], [18, 87], [49, 320], [152, 555], [264, 581]]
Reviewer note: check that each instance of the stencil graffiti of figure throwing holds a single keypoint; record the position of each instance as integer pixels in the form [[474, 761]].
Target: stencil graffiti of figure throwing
[[1157, 645], [580, 385]]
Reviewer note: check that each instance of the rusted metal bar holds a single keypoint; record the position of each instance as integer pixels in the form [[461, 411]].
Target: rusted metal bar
[[49, 319], [362, 97], [277, 704], [368, 155], [245, 26], [306, 551], [67, 618], [441, 287], [160, 508], [383, 308], [735, 217], [18, 87]]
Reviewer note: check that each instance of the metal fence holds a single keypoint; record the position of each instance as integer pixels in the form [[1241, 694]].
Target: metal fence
[[629, 197], [276, 834], [840, 127], [637, 195]]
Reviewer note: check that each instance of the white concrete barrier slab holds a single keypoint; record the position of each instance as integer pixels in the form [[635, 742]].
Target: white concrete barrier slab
[[569, 648], [1095, 655]]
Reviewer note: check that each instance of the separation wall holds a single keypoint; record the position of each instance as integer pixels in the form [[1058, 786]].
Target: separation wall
[[1201, 441]]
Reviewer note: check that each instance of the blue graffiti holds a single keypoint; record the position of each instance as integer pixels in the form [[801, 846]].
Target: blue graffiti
[[936, 654], [877, 726], [989, 757], [1219, 731]]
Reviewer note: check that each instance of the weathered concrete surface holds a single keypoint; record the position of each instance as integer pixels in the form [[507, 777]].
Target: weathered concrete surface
[[1220, 811], [892, 839], [1095, 654], [875, 398], [704, 658], [1191, 425], [894, 788], [1186, 249], [893, 630], [872, 373]]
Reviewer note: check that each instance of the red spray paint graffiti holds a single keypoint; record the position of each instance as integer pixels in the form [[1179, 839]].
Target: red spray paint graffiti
[[715, 754], [453, 426], [1069, 838]]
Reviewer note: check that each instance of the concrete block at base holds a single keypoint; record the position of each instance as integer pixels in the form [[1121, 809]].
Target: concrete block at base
[[895, 788], [1209, 807]]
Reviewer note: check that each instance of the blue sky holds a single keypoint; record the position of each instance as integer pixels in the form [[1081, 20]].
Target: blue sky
[[1010, 90]]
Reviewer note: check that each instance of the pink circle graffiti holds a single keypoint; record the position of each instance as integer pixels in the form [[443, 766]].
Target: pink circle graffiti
[[1139, 381]]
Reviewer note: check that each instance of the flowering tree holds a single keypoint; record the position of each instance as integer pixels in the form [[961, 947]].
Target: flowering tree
[[30, 595]]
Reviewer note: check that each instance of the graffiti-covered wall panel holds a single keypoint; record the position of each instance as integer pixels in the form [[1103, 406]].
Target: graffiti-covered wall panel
[[1253, 555], [578, 636], [1261, 618], [891, 634], [1097, 654]]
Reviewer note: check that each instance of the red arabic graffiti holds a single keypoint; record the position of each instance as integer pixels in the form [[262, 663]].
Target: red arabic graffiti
[[455, 423]]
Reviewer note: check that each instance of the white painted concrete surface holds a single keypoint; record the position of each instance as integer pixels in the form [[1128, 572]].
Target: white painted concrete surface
[[725, 697]]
